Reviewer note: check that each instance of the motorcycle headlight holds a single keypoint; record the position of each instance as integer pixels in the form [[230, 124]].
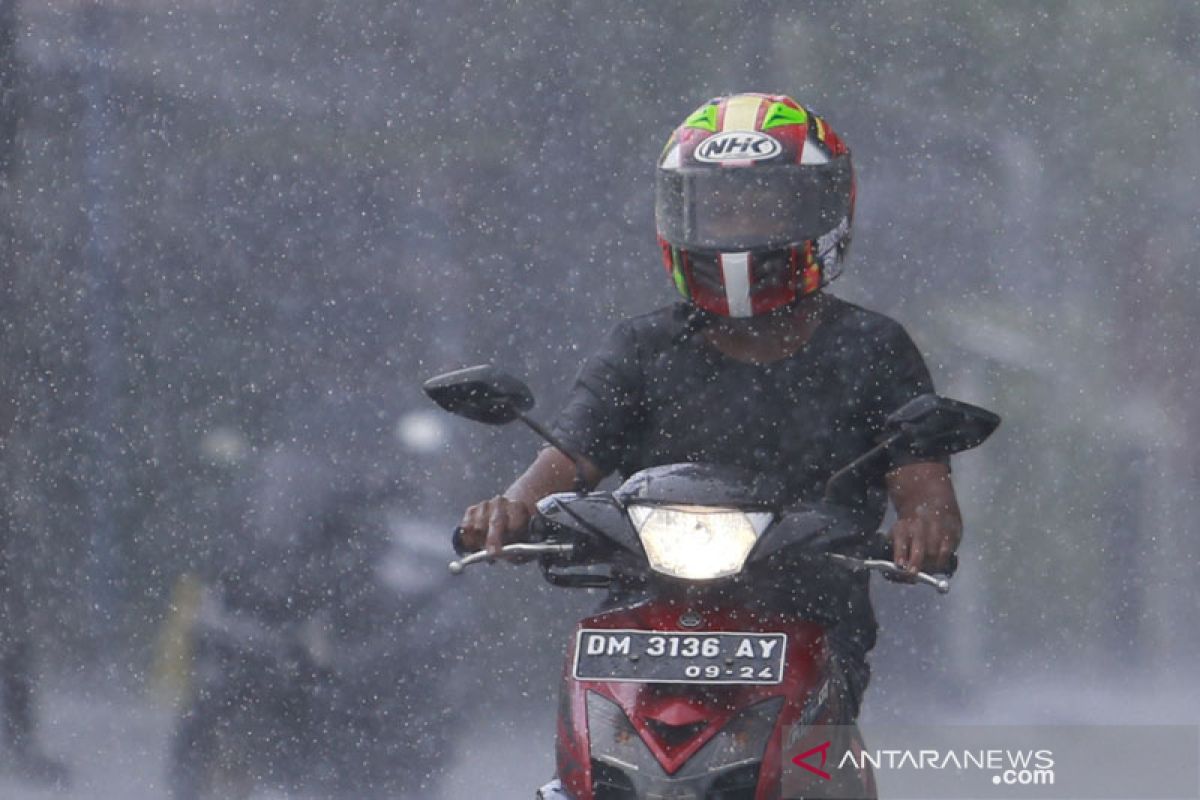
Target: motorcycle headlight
[[697, 542]]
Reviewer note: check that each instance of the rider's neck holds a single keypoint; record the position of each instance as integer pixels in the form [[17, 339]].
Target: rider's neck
[[769, 337]]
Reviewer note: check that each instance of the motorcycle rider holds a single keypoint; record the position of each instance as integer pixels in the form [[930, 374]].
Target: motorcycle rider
[[758, 367]]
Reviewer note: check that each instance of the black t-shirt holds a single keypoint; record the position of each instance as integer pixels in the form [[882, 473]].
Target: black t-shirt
[[656, 392]]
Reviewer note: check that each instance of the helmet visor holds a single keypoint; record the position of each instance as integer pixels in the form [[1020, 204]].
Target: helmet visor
[[744, 208]]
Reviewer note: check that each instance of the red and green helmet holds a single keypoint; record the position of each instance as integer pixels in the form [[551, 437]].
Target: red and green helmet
[[754, 201]]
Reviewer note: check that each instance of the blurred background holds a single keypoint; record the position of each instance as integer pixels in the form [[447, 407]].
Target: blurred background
[[237, 234]]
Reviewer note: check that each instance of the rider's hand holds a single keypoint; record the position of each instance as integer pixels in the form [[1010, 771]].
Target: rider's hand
[[495, 523], [928, 526], [925, 541]]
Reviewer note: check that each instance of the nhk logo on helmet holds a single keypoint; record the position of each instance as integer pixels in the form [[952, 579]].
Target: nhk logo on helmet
[[738, 146]]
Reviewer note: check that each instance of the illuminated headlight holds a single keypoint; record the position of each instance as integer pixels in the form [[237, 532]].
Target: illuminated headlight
[[697, 542]]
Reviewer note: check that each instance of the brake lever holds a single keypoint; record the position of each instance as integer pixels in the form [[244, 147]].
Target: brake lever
[[518, 549], [889, 569]]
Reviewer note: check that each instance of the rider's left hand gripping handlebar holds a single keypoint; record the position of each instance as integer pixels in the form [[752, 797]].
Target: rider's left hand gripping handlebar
[[889, 570], [877, 558], [880, 548]]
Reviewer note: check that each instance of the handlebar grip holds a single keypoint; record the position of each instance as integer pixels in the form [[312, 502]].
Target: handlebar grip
[[881, 547], [536, 529], [456, 541]]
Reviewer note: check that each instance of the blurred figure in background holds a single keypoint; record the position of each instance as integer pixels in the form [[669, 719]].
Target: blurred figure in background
[[23, 755], [309, 662]]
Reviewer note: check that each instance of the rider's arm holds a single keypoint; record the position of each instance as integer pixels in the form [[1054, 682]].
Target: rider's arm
[[597, 419], [504, 519], [928, 526]]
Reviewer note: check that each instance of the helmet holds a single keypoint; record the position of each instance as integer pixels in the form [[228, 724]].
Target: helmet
[[754, 199]]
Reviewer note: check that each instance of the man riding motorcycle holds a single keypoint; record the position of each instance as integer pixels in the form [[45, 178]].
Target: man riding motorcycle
[[758, 367]]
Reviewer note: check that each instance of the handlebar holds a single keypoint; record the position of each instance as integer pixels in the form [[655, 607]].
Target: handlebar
[[520, 549], [881, 565], [890, 570]]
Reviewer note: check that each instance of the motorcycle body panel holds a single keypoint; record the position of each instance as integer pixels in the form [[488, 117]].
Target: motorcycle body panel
[[644, 730], [621, 740]]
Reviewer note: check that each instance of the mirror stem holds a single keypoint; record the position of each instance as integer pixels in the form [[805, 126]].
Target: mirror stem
[[858, 462], [581, 486]]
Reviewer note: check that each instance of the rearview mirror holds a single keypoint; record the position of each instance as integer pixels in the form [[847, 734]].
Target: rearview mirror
[[483, 394], [930, 426]]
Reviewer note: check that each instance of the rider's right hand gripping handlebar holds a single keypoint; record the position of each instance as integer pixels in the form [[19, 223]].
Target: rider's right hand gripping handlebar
[[516, 549], [560, 552], [535, 548]]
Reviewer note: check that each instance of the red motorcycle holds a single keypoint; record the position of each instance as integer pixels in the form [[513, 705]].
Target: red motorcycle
[[687, 685]]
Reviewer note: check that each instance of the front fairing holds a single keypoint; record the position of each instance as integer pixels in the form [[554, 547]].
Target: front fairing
[[702, 484], [702, 738], [600, 527], [601, 522], [669, 739]]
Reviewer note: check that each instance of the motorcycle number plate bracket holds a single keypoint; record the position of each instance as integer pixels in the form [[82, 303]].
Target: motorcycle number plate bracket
[[603, 654]]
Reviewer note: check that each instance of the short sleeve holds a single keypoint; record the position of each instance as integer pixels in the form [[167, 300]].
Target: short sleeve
[[600, 417], [900, 374]]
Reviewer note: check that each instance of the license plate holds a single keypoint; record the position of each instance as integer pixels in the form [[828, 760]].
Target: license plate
[[669, 657]]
